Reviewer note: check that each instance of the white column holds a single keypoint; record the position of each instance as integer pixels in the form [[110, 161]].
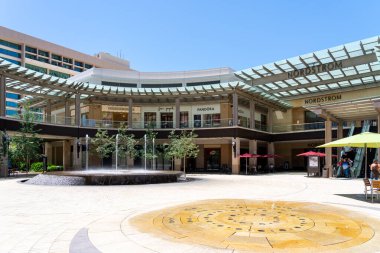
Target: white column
[[130, 111], [270, 120], [252, 109], [271, 151], [48, 111], [66, 154], [177, 113], [67, 112], [235, 155], [328, 151], [235, 109], [339, 134], [77, 109], [253, 150]]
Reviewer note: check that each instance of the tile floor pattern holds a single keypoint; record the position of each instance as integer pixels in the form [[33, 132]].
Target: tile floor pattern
[[259, 225], [73, 219]]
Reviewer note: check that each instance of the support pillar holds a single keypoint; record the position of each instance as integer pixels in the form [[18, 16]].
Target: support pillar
[[130, 111], [2, 96], [77, 109], [339, 135], [67, 112], [66, 154], [235, 109], [49, 152], [253, 150], [235, 155], [270, 120], [328, 151], [77, 154], [252, 109], [271, 152], [48, 111], [177, 113]]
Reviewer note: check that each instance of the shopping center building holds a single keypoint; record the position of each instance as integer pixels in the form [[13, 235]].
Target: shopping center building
[[282, 108]]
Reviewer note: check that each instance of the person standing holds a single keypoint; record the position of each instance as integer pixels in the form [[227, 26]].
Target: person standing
[[374, 170]]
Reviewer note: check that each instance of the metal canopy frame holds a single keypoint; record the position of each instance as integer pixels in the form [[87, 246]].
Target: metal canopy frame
[[360, 67], [38, 86]]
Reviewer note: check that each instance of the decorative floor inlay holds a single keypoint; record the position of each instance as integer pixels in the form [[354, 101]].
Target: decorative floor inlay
[[259, 225]]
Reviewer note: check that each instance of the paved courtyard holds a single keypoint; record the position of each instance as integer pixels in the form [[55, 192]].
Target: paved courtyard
[[210, 213]]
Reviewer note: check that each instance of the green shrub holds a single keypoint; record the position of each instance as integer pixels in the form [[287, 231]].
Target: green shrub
[[54, 168], [37, 167]]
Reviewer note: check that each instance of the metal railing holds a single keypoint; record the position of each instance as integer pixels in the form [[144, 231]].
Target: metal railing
[[298, 127]]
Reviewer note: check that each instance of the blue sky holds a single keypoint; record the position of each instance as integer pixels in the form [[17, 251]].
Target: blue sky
[[173, 35]]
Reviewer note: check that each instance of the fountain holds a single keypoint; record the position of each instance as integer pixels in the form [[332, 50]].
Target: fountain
[[117, 148], [87, 139]]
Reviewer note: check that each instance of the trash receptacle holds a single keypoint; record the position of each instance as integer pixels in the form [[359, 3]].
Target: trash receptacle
[[325, 172]]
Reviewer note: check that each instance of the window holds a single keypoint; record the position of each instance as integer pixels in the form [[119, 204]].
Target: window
[[78, 63], [203, 83], [36, 68], [11, 104], [78, 69], [41, 59], [58, 74], [31, 49], [10, 44], [167, 85], [10, 53], [12, 61], [11, 112], [67, 66], [56, 57], [127, 85], [55, 63], [88, 66], [197, 120], [68, 60], [150, 119], [184, 119], [30, 56], [13, 95], [43, 53]]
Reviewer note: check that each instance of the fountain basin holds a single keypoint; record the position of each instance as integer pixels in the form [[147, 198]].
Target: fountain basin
[[122, 177]]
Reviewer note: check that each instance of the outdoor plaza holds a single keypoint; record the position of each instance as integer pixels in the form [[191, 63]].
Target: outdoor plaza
[[263, 213]]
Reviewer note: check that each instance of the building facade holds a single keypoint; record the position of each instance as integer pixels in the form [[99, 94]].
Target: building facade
[[48, 58], [276, 110]]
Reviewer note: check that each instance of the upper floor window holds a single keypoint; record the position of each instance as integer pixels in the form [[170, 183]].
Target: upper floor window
[[10, 44], [43, 53], [31, 49]]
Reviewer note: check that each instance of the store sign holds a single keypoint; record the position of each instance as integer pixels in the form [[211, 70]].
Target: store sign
[[324, 99], [316, 69], [119, 108], [206, 109]]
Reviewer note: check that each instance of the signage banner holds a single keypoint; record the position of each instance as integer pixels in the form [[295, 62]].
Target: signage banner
[[323, 99], [315, 69], [119, 108]]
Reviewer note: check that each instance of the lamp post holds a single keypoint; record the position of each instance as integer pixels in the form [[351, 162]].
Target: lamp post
[[153, 166], [117, 143], [145, 151], [234, 148]]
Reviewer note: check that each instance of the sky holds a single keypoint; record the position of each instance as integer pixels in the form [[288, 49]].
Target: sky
[[176, 35]]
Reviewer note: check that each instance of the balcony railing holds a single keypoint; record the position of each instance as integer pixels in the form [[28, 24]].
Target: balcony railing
[[298, 127]]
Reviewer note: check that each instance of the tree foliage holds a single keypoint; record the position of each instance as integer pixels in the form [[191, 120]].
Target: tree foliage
[[127, 143], [25, 146], [103, 143], [182, 146]]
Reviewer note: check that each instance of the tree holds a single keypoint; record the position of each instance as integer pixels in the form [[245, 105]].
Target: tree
[[183, 146], [104, 144], [127, 143], [25, 146], [150, 149]]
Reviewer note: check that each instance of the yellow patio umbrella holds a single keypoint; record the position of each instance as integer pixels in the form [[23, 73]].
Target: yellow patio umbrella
[[364, 140]]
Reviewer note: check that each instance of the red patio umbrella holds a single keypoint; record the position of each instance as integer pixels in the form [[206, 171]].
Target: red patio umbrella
[[246, 155], [312, 153]]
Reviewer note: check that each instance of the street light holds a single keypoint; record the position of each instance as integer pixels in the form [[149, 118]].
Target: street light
[[234, 148]]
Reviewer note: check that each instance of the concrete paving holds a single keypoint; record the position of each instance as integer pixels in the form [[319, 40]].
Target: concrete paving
[[98, 218]]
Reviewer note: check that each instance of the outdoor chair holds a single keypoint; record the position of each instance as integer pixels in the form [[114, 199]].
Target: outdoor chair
[[375, 188], [367, 187]]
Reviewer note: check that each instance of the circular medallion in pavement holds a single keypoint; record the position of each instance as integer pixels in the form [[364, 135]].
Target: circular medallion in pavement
[[259, 225]]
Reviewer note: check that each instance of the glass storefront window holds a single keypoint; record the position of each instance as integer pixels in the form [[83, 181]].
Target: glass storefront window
[[197, 120], [150, 119], [184, 119]]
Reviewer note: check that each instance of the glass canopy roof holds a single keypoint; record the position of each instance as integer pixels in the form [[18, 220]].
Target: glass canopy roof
[[38, 86], [351, 65]]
